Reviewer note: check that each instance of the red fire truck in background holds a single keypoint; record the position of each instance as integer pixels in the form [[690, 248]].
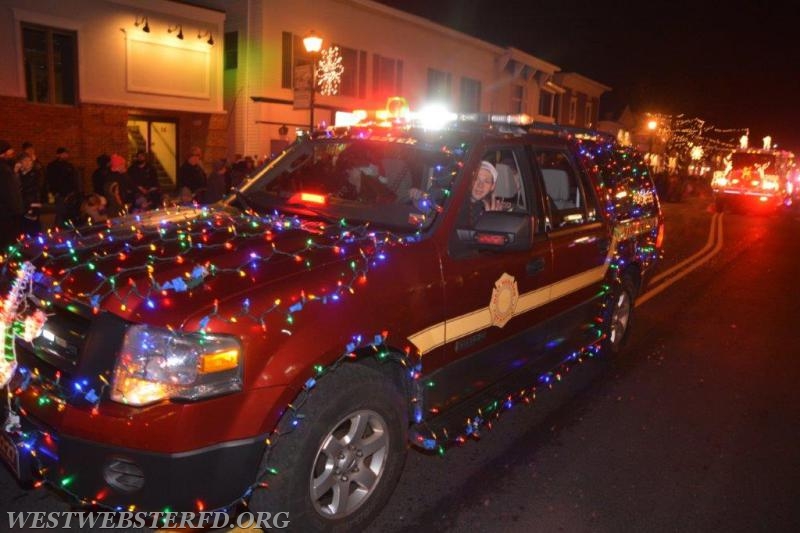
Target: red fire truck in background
[[756, 177]]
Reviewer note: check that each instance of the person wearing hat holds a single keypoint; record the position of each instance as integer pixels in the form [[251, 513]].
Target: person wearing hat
[[480, 199], [117, 188], [63, 182], [10, 197]]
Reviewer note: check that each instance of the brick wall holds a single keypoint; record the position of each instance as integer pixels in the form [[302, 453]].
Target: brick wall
[[89, 130]]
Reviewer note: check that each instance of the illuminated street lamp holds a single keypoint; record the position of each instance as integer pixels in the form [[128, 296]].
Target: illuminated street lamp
[[651, 126], [313, 45]]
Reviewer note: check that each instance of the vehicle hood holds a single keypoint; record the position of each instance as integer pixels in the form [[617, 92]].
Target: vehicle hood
[[166, 266]]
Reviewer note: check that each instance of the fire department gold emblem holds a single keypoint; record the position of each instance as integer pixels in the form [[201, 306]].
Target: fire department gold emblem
[[504, 300]]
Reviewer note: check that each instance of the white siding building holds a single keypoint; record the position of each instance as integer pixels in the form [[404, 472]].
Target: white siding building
[[385, 52]]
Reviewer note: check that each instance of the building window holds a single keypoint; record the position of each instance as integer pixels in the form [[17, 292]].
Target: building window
[[589, 118], [387, 77], [51, 64], [546, 99], [354, 75], [293, 54], [470, 95], [518, 104], [573, 109], [439, 85], [231, 57]]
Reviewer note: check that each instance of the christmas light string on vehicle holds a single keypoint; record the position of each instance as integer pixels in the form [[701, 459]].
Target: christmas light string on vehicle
[[193, 226], [373, 252], [377, 346], [55, 393]]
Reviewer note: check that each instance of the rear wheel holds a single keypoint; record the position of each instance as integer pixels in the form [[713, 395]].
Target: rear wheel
[[620, 314], [339, 466]]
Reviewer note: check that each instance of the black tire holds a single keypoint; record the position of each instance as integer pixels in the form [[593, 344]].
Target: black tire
[[302, 456], [619, 315]]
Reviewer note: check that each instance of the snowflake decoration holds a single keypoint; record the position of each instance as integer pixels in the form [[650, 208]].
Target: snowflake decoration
[[329, 71]]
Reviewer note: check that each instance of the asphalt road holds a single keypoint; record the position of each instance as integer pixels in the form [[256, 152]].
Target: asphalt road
[[695, 427]]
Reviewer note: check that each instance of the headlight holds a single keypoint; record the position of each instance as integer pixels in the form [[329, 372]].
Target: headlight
[[157, 364]]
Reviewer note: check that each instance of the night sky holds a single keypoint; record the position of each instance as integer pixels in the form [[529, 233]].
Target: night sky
[[733, 64]]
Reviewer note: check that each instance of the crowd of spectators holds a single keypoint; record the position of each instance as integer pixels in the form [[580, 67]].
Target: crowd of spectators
[[27, 188]]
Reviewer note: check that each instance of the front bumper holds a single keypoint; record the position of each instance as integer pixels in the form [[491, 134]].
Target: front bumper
[[98, 474]]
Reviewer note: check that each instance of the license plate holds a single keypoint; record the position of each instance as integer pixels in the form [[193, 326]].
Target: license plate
[[9, 453]]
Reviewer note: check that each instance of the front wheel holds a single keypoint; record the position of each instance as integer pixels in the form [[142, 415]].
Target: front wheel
[[339, 466]]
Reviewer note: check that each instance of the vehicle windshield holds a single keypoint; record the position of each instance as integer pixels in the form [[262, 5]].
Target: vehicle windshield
[[399, 183]]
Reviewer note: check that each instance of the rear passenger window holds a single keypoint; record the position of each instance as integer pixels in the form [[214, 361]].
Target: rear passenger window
[[632, 188], [569, 199]]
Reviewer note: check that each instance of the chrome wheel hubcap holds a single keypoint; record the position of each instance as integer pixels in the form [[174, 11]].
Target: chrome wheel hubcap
[[349, 464], [620, 317]]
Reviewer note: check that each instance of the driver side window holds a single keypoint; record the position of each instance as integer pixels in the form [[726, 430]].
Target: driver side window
[[497, 184]]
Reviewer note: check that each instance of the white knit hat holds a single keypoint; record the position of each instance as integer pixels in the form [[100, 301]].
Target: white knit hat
[[490, 167]]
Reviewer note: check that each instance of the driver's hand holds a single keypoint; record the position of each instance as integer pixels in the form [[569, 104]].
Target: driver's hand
[[495, 204]]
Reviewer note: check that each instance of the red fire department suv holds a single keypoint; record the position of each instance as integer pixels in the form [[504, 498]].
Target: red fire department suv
[[377, 285]]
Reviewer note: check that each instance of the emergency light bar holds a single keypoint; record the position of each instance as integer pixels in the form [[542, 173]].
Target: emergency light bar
[[397, 113], [431, 118]]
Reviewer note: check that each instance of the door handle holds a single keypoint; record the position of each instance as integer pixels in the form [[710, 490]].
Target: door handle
[[534, 266]]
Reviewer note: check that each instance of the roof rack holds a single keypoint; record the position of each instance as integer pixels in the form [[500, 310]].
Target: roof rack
[[580, 133]]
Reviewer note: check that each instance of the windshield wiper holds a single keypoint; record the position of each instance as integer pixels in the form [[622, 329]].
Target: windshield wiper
[[239, 195]]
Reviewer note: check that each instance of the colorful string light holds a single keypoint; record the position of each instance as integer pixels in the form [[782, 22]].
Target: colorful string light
[[123, 256]]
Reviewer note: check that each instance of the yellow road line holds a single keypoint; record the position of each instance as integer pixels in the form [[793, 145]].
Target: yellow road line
[[660, 288], [703, 250]]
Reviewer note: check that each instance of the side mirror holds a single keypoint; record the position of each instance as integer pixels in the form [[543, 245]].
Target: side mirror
[[499, 230]]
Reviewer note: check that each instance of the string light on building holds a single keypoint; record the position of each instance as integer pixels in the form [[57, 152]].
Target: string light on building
[[329, 71]]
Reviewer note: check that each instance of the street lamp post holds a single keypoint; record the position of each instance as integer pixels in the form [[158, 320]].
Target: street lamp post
[[651, 126], [312, 44]]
